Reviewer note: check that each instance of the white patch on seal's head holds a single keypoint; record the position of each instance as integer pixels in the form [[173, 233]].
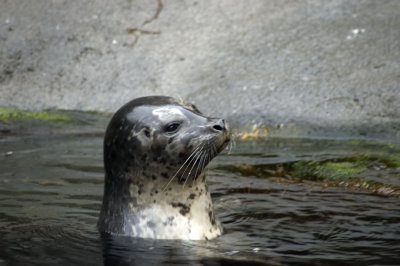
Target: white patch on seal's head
[[168, 113]]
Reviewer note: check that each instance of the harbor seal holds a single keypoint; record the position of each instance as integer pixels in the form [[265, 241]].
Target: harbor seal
[[156, 150]]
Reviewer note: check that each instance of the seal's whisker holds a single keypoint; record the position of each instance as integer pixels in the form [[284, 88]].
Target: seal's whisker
[[188, 161], [180, 168], [205, 159], [198, 161], [199, 165], [213, 151], [188, 164], [208, 159], [202, 165], [232, 145], [197, 156]]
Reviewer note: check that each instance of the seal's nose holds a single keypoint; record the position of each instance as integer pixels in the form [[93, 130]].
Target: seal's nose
[[219, 125]]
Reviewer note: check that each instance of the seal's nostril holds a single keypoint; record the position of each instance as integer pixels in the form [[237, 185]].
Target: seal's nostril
[[219, 125]]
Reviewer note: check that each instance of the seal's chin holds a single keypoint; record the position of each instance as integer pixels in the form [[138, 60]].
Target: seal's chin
[[222, 143]]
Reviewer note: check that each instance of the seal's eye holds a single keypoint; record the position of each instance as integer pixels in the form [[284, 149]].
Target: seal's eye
[[147, 132], [172, 127]]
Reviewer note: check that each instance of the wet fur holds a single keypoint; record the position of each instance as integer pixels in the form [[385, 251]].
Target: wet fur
[[155, 181]]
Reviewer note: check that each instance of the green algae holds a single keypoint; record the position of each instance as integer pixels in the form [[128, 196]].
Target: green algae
[[390, 160], [327, 170], [358, 171], [11, 114]]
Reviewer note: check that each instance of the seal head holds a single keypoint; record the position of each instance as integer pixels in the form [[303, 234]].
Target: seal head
[[155, 153]]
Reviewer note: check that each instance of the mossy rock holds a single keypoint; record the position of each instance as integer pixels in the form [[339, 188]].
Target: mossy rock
[[10, 114], [327, 170], [391, 160]]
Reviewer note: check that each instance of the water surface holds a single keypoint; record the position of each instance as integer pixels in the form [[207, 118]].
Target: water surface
[[51, 185]]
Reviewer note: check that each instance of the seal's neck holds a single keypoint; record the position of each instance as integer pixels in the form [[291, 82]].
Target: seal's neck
[[172, 212]]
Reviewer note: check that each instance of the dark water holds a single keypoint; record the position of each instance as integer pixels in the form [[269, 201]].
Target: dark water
[[51, 186]]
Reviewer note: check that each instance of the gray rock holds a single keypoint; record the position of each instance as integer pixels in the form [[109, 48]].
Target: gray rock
[[329, 67]]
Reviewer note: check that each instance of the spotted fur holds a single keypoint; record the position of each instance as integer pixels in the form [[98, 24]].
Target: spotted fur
[[155, 153]]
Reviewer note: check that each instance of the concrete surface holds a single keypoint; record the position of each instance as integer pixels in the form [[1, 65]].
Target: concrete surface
[[323, 66]]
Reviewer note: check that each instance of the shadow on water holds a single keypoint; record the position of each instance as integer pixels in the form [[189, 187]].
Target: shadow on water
[[281, 201]]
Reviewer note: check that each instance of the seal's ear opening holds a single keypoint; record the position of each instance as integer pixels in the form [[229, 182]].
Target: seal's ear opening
[[147, 132]]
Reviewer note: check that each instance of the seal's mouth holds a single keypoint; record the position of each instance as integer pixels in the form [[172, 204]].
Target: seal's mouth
[[224, 145], [200, 157], [224, 138]]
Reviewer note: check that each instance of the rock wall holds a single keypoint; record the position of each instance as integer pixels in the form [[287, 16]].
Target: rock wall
[[331, 65]]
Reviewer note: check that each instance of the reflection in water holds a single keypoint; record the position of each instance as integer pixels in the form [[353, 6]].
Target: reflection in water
[[130, 251], [51, 189]]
